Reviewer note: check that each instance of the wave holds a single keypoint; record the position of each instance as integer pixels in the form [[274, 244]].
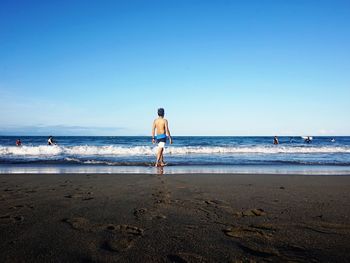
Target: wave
[[87, 150], [183, 162]]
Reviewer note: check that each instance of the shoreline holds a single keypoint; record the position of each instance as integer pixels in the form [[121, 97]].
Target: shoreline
[[176, 169], [182, 174], [177, 218]]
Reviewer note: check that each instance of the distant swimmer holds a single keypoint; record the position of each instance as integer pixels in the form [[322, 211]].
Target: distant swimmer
[[275, 140], [308, 139], [333, 140], [50, 141], [160, 126], [18, 142]]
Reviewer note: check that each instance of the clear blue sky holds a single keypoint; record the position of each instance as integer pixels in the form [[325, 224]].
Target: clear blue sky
[[217, 67]]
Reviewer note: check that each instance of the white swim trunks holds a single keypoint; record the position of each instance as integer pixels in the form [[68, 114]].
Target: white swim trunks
[[161, 144]]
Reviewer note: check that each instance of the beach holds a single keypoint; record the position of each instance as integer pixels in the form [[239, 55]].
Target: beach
[[174, 131], [174, 218]]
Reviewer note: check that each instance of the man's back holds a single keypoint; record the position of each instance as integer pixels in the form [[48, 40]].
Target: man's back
[[160, 125]]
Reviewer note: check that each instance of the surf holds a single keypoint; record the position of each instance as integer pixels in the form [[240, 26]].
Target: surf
[[88, 150]]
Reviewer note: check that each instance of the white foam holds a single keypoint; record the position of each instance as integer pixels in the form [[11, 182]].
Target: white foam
[[30, 150], [86, 150]]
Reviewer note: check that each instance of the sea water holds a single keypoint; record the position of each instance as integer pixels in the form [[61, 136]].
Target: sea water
[[188, 154]]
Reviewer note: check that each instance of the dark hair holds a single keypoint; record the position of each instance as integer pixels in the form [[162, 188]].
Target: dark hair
[[161, 112]]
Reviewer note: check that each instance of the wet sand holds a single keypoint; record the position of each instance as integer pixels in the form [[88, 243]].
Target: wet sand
[[174, 218]]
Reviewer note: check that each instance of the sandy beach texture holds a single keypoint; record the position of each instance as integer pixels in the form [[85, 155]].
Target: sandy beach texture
[[174, 218]]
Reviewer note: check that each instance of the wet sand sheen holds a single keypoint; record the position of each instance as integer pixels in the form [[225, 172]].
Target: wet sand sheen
[[174, 218]]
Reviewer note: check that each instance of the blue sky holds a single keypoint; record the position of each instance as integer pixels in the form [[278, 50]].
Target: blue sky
[[217, 67]]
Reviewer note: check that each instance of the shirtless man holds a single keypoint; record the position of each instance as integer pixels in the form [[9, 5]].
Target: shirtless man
[[50, 141], [161, 125]]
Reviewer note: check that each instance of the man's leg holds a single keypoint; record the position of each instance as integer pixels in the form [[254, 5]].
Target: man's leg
[[162, 159], [159, 155]]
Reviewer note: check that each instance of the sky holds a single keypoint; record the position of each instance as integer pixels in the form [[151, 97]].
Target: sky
[[264, 67]]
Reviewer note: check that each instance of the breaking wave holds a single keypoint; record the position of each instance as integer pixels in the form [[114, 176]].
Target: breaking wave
[[86, 150]]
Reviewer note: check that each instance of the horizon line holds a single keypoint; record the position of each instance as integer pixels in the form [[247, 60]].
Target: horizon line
[[175, 135]]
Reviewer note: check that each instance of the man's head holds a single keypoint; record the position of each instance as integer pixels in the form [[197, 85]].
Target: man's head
[[161, 112]]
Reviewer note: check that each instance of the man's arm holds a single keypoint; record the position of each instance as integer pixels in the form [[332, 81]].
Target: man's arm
[[153, 129], [168, 131]]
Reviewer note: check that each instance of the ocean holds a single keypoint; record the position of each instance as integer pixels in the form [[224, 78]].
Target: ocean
[[188, 154]]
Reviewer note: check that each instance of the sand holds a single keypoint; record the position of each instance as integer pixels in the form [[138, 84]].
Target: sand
[[174, 218]]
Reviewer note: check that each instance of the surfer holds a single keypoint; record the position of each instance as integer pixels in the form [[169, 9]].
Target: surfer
[[308, 139], [275, 140], [18, 142], [160, 126], [50, 141]]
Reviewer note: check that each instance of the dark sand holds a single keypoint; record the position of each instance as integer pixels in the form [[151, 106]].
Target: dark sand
[[174, 218]]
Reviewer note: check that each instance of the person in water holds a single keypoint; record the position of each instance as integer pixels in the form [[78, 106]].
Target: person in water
[[275, 140], [50, 141], [160, 126], [18, 142], [308, 139]]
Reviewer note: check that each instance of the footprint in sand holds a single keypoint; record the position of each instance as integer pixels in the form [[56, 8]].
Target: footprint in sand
[[148, 214], [326, 228], [84, 195], [18, 218], [294, 253], [162, 197], [214, 202], [263, 230], [126, 230], [30, 191], [255, 240], [160, 216], [73, 196], [78, 223], [251, 212], [277, 253], [118, 245], [259, 250], [16, 207], [7, 219], [124, 237], [138, 213], [121, 239], [191, 227], [218, 204]]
